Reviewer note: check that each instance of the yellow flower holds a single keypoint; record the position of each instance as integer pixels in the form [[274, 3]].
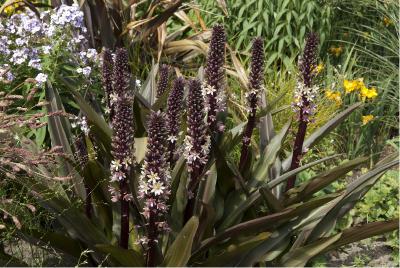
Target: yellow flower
[[336, 50], [352, 85], [366, 119], [334, 96], [387, 21], [319, 68], [366, 93], [11, 8]]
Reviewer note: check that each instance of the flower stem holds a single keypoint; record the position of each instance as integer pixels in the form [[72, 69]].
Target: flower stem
[[124, 238], [152, 236], [297, 150]]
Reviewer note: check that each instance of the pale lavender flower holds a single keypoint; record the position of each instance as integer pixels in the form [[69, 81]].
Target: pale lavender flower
[[41, 78]]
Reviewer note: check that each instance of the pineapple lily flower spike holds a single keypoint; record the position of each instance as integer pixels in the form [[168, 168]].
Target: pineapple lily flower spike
[[255, 85], [214, 74], [163, 79], [304, 96], [174, 113], [122, 140], [154, 184]]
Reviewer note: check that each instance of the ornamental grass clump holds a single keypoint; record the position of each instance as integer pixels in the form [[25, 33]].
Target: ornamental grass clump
[[304, 95], [214, 75], [154, 184], [122, 140], [174, 114], [256, 78]]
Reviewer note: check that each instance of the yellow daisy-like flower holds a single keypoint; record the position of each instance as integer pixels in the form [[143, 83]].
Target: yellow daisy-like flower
[[387, 21], [350, 85], [336, 50], [366, 93], [334, 96], [319, 68], [367, 118], [10, 9], [372, 93]]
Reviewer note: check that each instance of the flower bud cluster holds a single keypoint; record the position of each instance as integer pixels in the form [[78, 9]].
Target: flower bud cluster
[[174, 112], [163, 79]]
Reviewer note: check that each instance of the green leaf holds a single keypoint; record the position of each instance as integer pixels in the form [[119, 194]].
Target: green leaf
[[265, 223], [300, 256], [354, 192], [58, 241], [293, 172], [60, 133], [124, 257], [273, 203], [179, 252], [268, 157], [323, 131], [358, 233], [230, 255], [306, 190]]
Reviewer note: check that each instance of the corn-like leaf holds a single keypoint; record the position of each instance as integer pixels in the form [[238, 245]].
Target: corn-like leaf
[[306, 190], [266, 223], [178, 254], [60, 133], [231, 254], [273, 203], [300, 256], [268, 157], [355, 191], [58, 241]]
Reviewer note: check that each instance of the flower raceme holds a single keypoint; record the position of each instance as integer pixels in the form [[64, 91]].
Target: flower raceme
[[122, 139], [255, 85], [154, 184], [305, 92], [197, 141], [163, 79], [107, 79], [174, 112], [122, 123], [304, 96], [214, 74]]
